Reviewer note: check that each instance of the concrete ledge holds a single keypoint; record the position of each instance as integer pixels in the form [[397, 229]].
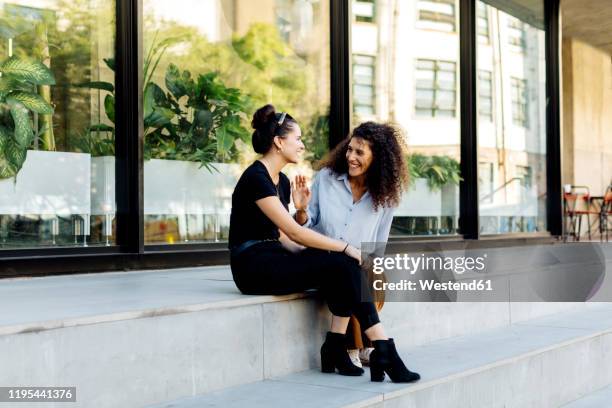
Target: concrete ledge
[[597, 399], [161, 335], [545, 362], [55, 302]]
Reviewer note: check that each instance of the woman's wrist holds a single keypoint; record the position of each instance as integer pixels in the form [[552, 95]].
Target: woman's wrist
[[340, 246], [301, 216], [352, 252]]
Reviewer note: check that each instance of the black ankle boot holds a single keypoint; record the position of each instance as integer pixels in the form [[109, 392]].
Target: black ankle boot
[[384, 359], [334, 355]]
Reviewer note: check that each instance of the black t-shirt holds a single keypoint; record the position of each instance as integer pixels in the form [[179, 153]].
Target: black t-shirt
[[247, 221]]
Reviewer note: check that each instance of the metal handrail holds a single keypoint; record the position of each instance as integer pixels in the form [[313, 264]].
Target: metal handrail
[[499, 188]]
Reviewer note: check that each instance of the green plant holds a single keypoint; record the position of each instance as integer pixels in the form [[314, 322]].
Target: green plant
[[201, 128], [18, 100], [315, 137], [99, 145], [99, 139], [206, 123], [438, 170]]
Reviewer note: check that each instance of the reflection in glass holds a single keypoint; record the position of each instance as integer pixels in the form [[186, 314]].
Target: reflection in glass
[[56, 123], [436, 14], [208, 65], [512, 119], [405, 71], [363, 84]]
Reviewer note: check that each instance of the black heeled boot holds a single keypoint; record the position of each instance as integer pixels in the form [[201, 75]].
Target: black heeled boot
[[384, 359], [334, 356]]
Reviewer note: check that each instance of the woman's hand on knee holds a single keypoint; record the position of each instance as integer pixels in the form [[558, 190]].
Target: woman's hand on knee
[[353, 253]]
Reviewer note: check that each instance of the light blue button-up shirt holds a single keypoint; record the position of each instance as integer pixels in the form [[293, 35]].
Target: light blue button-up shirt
[[331, 212]]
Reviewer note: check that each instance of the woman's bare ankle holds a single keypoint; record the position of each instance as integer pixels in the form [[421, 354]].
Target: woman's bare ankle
[[376, 332]]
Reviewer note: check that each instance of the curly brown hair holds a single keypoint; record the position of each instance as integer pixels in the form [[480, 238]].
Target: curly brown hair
[[387, 176]]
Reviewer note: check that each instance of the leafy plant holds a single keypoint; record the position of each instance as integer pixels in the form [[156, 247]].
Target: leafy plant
[[99, 145], [438, 170], [100, 137], [18, 100], [315, 137], [203, 127]]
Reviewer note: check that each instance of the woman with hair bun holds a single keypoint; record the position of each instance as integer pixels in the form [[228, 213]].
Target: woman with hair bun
[[353, 199], [271, 254]]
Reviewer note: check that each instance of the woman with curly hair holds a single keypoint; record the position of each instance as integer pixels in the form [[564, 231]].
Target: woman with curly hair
[[271, 254], [353, 198]]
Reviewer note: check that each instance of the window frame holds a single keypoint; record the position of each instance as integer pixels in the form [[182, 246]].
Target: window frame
[[426, 16], [517, 34], [483, 15], [130, 251], [372, 85], [366, 19], [491, 187], [519, 93], [434, 107], [488, 116]]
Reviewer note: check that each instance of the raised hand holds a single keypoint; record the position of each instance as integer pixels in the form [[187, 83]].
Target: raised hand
[[300, 193]]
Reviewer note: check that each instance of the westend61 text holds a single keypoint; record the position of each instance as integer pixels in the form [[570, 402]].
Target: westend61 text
[[427, 285], [412, 264]]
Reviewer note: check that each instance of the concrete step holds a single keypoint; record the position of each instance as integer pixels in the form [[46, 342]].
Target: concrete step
[[544, 362], [597, 399], [137, 338]]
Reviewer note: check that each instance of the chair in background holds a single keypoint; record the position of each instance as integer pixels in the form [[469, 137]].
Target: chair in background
[[606, 213], [577, 204]]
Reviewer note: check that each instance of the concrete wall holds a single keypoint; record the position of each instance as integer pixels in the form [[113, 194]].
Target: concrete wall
[[587, 116]]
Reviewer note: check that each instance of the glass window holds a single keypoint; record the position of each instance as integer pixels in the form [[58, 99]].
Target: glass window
[[57, 183], [208, 65], [516, 33], [414, 85], [364, 10], [512, 127], [485, 182], [436, 15], [364, 97], [483, 23], [519, 102], [435, 88], [525, 173], [485, 95]]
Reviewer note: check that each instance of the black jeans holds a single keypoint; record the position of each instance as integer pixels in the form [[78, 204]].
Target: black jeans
[[269, 269]]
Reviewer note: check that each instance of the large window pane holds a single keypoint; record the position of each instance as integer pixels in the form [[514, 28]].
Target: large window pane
[[208, 65], [414, 49], [512, 120], [57, 129]]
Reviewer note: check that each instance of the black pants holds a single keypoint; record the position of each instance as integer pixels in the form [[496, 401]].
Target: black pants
[[269, 269]]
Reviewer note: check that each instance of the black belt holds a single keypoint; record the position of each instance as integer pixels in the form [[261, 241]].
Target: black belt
[[238, 249]]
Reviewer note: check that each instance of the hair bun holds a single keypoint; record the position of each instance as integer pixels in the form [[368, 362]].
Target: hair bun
[[263, 116]]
